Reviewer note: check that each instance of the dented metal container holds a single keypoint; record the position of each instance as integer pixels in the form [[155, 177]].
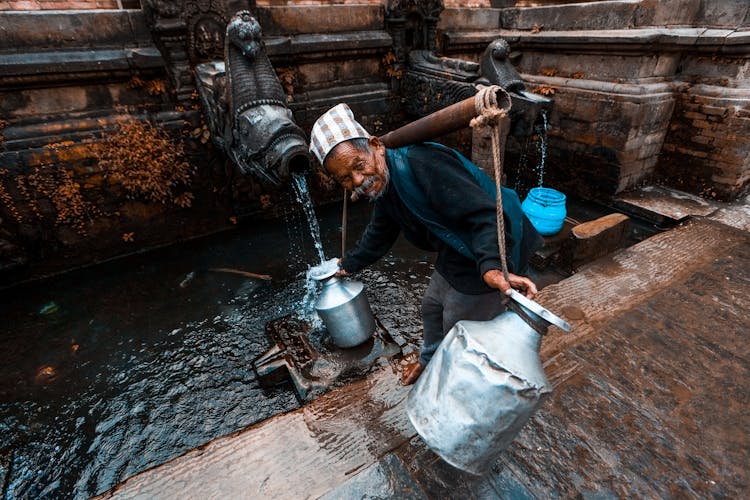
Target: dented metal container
[[482, 385], [345, 310]]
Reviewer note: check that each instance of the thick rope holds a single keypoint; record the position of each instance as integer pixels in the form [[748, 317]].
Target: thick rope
[[494, 115]]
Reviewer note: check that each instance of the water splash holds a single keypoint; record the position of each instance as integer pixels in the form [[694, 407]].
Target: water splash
[[307, 306], [303, 197]]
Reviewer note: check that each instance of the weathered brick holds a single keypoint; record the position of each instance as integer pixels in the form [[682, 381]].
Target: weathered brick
[[729, 157], [702, 124], [24, 5], [700, 139], [738, 122], [689, 106], [692, 115], [714, 110], [700, 99], [722, 137], [692, 152]]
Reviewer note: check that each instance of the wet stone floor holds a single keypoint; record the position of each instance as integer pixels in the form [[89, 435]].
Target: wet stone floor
[[108, 371], [650, 399]]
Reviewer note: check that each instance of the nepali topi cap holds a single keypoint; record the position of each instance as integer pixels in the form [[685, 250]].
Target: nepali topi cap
[[335, 126]]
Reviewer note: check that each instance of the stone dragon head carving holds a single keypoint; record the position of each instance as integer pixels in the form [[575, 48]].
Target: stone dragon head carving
[[246, 107]]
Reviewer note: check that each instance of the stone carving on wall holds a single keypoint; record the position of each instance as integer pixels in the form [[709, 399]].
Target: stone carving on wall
[[186, 32], [246, 105], [413, 25], [207, 37], [433, 82], [430, 82]]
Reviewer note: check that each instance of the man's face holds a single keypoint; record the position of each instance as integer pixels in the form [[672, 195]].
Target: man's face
[[364, 173]]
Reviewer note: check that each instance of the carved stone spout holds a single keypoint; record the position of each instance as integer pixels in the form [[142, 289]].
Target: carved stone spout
[[246, 107], [496, 69]]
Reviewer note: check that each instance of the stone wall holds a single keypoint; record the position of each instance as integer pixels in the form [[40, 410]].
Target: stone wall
[[76, 87], [68, 4], [644, 90]]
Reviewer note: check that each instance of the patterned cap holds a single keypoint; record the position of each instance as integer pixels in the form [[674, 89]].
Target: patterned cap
[[334, 127]]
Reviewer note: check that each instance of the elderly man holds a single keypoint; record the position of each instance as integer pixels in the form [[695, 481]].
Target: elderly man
[[442, 203]]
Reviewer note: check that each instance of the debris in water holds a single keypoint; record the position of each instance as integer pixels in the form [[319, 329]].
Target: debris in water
[[49, 308], [264, 277], [188, 279], [46, 373], [75, 347]]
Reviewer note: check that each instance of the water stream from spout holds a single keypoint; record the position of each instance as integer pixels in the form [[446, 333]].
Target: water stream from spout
[[303, 197], [542, 148], [311, 289]]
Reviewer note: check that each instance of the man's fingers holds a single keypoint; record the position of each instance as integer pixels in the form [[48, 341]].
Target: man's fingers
[[504, 286], [524, 284]]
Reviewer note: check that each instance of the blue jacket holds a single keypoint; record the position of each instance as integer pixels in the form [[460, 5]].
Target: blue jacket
[[458, 239]]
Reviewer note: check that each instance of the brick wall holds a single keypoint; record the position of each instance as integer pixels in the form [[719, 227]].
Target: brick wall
[[447, 3], [135, 4], [68, 4], [706, 148]]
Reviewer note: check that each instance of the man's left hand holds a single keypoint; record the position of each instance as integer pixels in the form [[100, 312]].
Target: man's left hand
[[495, 279]]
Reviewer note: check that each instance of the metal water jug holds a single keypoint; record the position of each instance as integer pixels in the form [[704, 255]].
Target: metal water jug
[[344, 309], [482, 385]]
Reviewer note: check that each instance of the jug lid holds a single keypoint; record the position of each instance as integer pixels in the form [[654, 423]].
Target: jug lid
[[540, 311]]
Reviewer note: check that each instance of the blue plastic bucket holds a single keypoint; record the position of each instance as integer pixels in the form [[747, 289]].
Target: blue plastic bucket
[[545, 208]]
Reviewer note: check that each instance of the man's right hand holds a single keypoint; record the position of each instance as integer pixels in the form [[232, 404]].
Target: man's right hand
[[495, 279], [341, 272]]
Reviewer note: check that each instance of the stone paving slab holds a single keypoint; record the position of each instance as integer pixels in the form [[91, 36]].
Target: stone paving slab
[[661, 204], [651, 391], [302, 454]]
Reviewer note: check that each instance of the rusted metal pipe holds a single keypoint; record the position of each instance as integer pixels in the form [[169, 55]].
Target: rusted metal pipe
[[454, 117]]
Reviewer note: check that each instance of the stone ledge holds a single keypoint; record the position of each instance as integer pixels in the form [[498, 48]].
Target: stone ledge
[[649, 39], [633, 89], [325, 45], [21, 64]]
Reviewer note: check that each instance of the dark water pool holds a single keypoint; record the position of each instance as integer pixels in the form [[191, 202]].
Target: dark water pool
[[107, 371]]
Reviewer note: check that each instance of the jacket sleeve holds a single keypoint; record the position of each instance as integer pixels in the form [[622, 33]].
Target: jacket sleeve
[[462, 204], [380, 234]]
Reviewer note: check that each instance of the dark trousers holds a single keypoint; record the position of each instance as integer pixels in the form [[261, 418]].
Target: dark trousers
[[443, 306]]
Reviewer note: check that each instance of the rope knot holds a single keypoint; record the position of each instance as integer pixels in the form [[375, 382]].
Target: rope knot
[[490, 117]]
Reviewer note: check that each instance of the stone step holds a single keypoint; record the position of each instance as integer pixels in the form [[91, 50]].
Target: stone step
[[662, 205]]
